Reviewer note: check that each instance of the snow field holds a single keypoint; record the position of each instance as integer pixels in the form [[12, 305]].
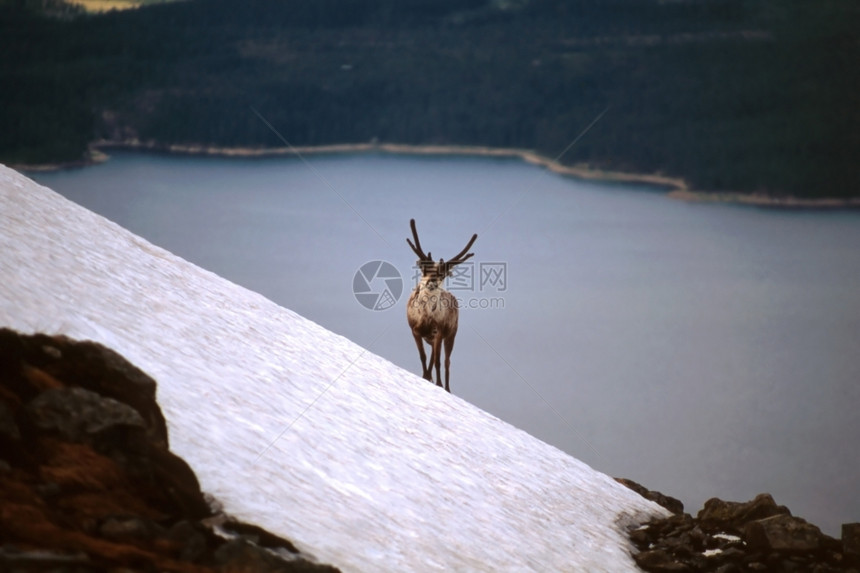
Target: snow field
[[297, 429]]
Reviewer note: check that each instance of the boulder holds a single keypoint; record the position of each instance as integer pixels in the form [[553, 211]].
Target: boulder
[[733, 515], [783, 533], [92, 366], [851, 540], [80, 415]]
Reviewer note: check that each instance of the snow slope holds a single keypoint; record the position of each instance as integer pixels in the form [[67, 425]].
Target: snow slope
[[299, 430]]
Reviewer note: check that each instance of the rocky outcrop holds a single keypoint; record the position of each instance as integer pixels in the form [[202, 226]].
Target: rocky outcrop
[[670, 503], [87, 482], [729, 537]]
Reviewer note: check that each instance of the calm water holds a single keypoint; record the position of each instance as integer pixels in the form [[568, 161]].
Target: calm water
[[703, 350]]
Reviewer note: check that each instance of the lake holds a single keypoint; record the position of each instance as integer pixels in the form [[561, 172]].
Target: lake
[[700, 349]]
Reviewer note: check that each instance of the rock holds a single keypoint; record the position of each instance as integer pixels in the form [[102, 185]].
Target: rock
[[783, 533], [127, 529], [41, 560], [670, 503], [11, 351], [778, 542], [8, 427], [824, 568], [113, 376], [12, 448], [176, 481], [732, 554], [735, 515], [641, 537], [49, 489], [658, 560], [242, 556], [851, 541], [52, 351], [259, 536], [697, 538], [84, 364], [80, 415], [672, 526], [190, 538]]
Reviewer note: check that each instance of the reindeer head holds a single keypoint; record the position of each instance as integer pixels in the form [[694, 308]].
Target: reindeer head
[[433, 274]]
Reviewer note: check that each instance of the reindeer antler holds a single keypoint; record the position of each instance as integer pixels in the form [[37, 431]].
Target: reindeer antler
[[460, 257], [456, 259], [417, 246]]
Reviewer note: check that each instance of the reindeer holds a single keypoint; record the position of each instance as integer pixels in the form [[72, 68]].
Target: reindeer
[[432, 312]]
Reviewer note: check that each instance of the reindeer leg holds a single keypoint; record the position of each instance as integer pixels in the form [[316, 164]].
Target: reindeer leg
[[436, 357], [449, 346], [424, 369]]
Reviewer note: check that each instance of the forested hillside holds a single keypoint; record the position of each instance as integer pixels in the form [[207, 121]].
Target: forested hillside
[[737, 95]]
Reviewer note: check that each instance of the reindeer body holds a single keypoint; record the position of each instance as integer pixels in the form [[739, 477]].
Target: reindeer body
[[432, 312]]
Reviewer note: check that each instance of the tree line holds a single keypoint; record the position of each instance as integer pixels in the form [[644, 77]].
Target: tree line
[[739, 95]]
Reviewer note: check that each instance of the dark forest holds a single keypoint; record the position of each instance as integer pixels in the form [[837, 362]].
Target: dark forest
[[730, 95]]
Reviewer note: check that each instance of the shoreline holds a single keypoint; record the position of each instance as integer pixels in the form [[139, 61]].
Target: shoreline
[[526, 155], [760, 200], [95, 156], [677, 188]]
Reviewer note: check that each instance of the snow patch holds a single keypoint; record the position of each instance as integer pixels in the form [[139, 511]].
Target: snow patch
[[727, 537], [299, 430]]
